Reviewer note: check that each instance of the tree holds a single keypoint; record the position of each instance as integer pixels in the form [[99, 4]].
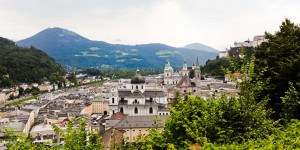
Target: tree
[[81, 138], [20, 141], [11, 96], [192, 74], [76, 137], [21, 91], [291, 103], [280, 58]]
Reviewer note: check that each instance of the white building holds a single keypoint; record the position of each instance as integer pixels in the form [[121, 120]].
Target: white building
[[257, 40], [137, 100]]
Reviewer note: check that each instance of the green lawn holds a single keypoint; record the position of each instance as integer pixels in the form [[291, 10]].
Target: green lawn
[[20, 101]]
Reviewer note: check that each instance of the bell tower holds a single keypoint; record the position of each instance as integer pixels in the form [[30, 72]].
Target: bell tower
[[197, 77]]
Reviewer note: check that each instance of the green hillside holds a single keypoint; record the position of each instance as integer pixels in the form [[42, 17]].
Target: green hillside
[[24, 65]]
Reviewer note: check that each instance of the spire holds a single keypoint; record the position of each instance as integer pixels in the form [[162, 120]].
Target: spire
[[184, 64], [137, 70], [197, 63], [167, 63]]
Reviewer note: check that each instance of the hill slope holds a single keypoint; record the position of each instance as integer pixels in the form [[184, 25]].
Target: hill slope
[[74, 51], [199, 46], [24, 64]]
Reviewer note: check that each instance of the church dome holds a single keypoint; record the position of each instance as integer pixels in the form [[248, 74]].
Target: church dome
[[171, 69], [137, 79]]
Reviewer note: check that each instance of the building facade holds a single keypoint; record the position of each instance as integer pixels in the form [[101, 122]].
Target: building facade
[[137, 100], [172, 77]]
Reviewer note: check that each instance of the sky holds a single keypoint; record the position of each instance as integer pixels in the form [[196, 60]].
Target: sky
[[176, 23]]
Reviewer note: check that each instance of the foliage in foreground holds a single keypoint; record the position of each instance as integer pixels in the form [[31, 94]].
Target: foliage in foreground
[[76, 137]]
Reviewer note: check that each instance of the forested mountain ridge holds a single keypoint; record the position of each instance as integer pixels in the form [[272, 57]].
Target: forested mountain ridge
[[77, 52], [25, 65]]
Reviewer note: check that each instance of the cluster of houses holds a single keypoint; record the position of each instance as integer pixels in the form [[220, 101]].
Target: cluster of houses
[[125, 105]]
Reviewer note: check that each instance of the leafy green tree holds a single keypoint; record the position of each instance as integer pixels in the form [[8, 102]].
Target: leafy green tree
[[291, 103], [20, 141], [81, 138], [192, 74], [215, 67], [21, 91], [11, 97], [279, 57]]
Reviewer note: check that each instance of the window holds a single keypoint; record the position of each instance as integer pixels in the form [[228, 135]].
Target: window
[[137, 87], [150, 110], [163, 113], [135, 101], [142, 87], [113, 100], [132, 87], [194, 90], [151, 99], [184, 91], [136, 110], [113, 111], [121, 110]]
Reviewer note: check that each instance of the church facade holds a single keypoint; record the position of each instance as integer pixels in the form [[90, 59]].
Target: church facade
[[186, 85], [181, 81], [171, 77], [137, 100]]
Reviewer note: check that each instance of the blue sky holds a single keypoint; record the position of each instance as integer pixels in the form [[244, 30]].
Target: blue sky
[[174, 22]]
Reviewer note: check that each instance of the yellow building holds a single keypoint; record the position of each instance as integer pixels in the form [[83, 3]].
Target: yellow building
[[132, 126], [100, 105]]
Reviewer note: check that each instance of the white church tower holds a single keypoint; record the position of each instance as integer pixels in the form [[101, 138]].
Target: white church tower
[[197, 77]]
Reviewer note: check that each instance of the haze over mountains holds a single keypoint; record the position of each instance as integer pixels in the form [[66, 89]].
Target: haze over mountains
[[74, 51]]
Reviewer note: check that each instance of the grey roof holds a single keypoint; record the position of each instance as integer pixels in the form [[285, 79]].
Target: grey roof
[[138, 94], [98, 99], [140, 122], [184, 82], [31, 107], [17, 126]]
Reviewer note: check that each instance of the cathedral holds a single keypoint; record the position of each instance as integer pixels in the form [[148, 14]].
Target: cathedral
[[171, 77], [181, 79], [137, 100]]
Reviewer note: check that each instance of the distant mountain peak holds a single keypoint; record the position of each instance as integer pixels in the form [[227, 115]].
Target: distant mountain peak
[[75, 51], [199, 46]]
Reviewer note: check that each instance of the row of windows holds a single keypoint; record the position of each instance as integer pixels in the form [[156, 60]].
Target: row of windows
[[163, 113], [136, 111], [137, 87], [185, 91]]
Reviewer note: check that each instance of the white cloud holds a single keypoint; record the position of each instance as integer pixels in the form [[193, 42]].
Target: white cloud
[[174, 22]]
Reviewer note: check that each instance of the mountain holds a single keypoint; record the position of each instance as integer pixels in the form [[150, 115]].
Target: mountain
[[199, 46], [25, 65], [77, 52]]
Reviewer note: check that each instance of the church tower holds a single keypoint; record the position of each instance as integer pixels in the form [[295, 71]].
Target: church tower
[[168, 73], [197, 77], [184, 69]]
